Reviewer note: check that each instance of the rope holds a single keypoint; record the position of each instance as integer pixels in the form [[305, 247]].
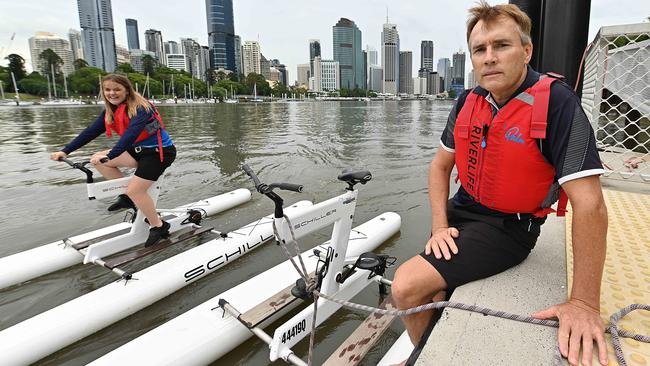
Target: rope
[[310, 282]]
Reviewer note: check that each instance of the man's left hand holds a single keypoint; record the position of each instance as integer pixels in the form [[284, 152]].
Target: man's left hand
[[580, 325]]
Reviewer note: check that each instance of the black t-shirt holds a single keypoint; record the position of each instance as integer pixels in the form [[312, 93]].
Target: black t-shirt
[[569, 146]]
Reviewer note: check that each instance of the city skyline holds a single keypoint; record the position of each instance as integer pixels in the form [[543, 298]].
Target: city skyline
[[280, 40]]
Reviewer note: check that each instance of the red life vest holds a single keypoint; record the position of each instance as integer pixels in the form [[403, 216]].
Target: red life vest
[[121, 123], [498, 159]]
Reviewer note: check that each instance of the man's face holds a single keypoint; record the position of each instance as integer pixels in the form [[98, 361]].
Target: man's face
[[498, 57]]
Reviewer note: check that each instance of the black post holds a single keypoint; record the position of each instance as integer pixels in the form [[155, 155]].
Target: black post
[[564, 37], [535, 11]]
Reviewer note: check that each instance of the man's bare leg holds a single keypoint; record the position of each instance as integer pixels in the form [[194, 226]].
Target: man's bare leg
[[417, 282]]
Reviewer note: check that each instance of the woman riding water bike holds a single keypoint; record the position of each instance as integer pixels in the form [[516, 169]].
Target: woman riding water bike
[[144, 144]]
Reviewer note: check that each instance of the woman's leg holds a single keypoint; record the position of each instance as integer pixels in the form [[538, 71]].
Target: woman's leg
[[137, 191], [109, 170]]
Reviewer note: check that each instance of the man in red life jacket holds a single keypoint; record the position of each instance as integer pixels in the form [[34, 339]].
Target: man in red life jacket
[[516, 140]]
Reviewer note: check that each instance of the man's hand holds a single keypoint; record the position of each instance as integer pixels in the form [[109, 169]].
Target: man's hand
[[580, 325], [442, 243]]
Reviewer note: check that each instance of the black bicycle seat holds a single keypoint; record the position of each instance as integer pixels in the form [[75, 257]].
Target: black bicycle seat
[[353, 177]]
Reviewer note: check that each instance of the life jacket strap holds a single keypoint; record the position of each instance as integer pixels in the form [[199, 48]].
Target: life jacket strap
[[464, 118], [542, 92]]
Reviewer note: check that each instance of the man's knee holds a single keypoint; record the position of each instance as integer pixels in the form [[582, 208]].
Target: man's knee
[[416, 282]]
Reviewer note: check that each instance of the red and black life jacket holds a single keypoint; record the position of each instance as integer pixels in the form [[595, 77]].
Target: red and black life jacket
[[498, 159], [121, 123]]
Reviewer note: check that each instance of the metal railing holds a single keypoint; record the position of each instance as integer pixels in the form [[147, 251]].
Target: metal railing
[[616, 98]]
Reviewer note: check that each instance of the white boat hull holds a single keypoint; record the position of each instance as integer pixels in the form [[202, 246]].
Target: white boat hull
[[202, 335], [43, 334], [400, 351], [23, 266]]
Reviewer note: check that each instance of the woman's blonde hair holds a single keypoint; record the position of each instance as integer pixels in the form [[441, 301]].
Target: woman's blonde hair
[[133, 98]]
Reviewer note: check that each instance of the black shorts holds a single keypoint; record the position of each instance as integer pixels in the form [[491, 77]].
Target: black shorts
[[487, 245], [149, 165]]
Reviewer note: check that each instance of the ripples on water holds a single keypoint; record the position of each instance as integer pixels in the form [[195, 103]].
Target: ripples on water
[[307, 143]]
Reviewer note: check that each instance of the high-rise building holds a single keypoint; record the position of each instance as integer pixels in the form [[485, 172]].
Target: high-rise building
[[74, 36], [221, 34], [314, 51], [458, 72], [136, 56], [96, 19], [265, 67], [203, 63], [434, 83], [426, 55], [406, 72], [326, 75], [472, 81], [132, 34], [251, 57], [176, 61], [390, 58], [123, 55], [419, 85], [154, 43], [172, 47], [282, 73], [238, 58], [376, 79], [347, 52], [303, 74], [444, 71], [45, 40]]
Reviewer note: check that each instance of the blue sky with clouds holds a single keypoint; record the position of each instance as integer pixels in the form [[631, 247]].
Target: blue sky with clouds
[[284, 27]]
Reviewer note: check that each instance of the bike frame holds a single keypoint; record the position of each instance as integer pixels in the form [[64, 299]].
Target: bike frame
[[339, 212]]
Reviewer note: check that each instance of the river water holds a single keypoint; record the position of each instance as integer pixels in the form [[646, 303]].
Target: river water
[[307, 143]]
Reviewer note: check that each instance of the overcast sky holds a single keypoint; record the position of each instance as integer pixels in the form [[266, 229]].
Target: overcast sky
[[284, 27]]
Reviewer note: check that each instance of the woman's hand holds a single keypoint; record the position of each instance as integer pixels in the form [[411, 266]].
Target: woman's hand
[[56, 156], [98, 157], [442, 243]]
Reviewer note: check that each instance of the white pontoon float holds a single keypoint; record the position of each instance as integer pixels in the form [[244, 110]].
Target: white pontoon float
[[217, 326], [95, 246], [43, 334]]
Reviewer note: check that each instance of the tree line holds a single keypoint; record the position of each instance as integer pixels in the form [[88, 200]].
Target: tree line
[[84, 81]]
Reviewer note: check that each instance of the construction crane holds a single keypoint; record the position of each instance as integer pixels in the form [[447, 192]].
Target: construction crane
[[6, 49]]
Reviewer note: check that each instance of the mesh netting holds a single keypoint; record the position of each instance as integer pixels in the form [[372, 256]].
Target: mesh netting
[[616, 98]]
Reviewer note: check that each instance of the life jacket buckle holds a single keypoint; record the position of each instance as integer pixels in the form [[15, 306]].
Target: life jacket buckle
[[138, 149]]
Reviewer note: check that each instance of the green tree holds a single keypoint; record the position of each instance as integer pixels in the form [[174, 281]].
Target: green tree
[[263, 87], [17, 66], [85, 81], [79, 63], [279, 90], [229, 85], [125, 68], [51, 60], [148, 64], [34, 83], [219, 92], [221, 75]]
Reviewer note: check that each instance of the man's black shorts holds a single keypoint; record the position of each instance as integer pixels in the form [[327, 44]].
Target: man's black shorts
[[487, 245], [149, 165]]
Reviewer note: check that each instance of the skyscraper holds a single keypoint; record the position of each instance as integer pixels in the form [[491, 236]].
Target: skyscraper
[[172, 47], [444, 71], [347, 52], [221, 34], [406, 72], [96, 19], [303, 74], [75, 44], [238, 60], [426, 55], [251, 57], [327, 75], [314, 51], [390, 58], [44, 40], [132, 34], [154, 43], [458, 72]]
